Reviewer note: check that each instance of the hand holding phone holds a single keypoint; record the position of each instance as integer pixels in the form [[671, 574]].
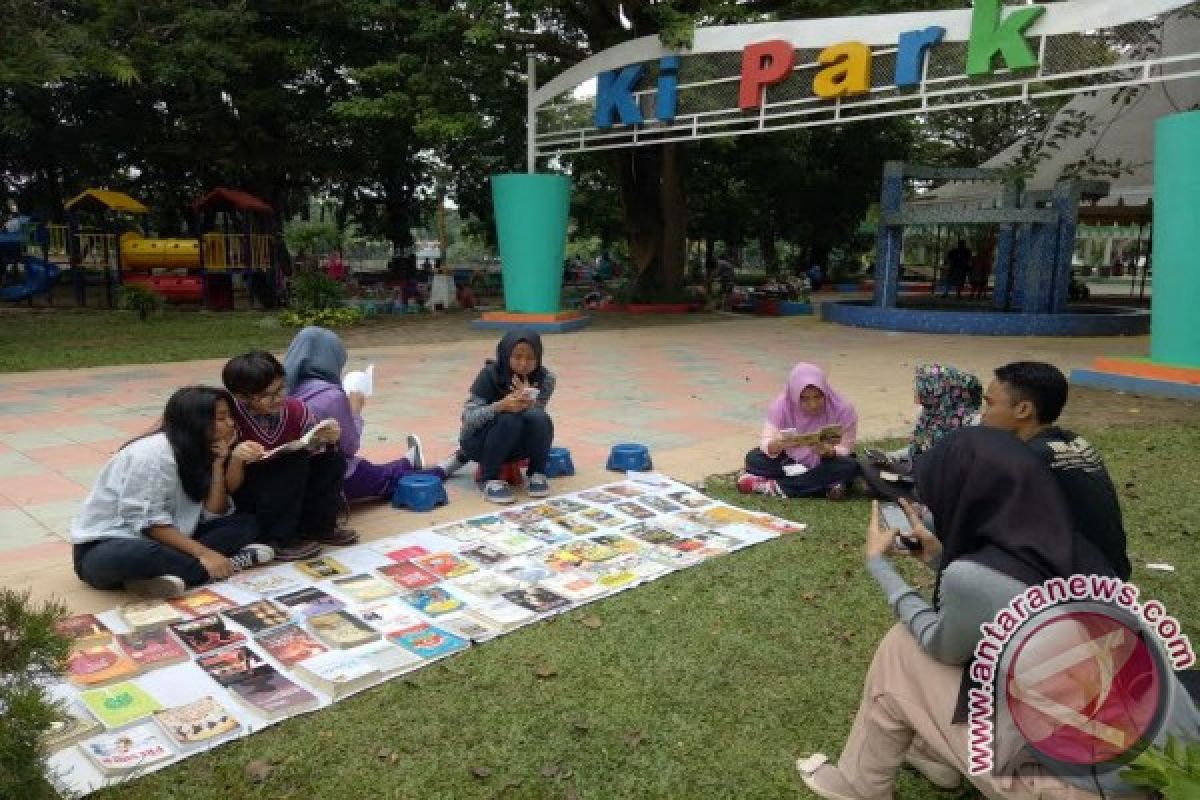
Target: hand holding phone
[[895, 519]]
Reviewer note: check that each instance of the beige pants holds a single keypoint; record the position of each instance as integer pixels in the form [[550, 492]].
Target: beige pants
[[908, 701]]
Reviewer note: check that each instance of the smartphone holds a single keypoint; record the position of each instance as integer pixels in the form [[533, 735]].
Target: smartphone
[[893, 516], [530, 392]]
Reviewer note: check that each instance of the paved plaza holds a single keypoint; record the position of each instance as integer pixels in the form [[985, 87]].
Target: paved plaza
[[694, 393]]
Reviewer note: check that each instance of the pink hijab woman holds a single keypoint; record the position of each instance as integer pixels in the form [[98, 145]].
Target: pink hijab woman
[[786, 466]]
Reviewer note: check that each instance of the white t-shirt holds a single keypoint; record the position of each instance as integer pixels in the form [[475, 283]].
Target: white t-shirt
[[138, 488]]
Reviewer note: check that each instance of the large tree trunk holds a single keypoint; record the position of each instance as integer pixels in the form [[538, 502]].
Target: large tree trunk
[[655, 209], [766, 247]]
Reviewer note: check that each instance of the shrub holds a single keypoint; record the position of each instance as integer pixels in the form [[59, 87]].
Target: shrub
[[32, 653], [315, 291], [324, 317], [140, 299]]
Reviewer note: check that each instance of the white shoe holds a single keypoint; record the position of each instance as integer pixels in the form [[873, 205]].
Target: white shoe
[[251, 556], [415, 455], [824, 779], [163, 587]]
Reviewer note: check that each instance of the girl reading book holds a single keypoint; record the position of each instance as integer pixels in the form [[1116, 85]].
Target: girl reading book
[[314, 362], [807, 446], [159, 518], [505, 416], [295, 495]]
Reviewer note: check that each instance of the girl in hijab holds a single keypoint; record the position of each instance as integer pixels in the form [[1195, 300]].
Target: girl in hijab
[[505, 416], [783, 467], [1002, 525], [314, 363]]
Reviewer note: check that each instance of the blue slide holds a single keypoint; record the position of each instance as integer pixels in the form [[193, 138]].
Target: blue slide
[[40, 277]]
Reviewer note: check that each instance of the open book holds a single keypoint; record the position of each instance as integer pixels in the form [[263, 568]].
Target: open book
[[303, 442], [792, 438], [360, 381]]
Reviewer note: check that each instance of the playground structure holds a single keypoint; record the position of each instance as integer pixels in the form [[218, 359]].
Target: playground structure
[[102, 245], [24, 275], [1035, 243]]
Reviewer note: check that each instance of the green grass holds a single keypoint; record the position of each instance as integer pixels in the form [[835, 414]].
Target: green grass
[[704, 684]]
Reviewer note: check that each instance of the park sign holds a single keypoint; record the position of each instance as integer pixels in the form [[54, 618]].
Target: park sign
[[756, 78]]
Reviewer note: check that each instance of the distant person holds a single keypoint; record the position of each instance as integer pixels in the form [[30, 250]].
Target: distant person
[[980, 271], [604, 266], [335, 267], [958, 266], [726, 277], [816, 276]]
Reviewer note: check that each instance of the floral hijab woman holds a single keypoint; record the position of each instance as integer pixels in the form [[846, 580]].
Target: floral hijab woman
[[950, 399]]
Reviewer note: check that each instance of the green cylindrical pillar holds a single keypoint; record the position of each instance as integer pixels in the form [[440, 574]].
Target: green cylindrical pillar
[[1174, 322], [531, 227]]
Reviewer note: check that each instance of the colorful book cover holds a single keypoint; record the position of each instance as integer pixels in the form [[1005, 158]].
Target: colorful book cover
[[598, 516], [445, 565], [486, 585], [427, 641], [205, 634], [577, 553], [290, 644], [484, 554], [616, 574], [566, 504], [118, 705], [201, 603], [83, 627], [717, 541], [489, 524], [690, 499], [658, 503], [576, 585], [623, 490], [341, 629], [459, 531], [259, 616], [599, 496], [408, 553], [575, 526], [76, 723], [309, 601], [545, 511], [526, 570], [135, 749], [536, 599], [433, 601], [726, 515], [322, 567], [408, 575], [95, 662], [546, 532], [651, 534], [269, 694], [780, 526], [515, 543], [148, 615], [151, 649], [196, 723], [520, 517], [634, 510], [388, 614], [364, 588], [268, 581], [232, 665]]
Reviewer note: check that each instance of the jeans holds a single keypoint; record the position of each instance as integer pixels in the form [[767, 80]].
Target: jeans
[[511, 437], [109, 563], [817, 481], [294, 496]]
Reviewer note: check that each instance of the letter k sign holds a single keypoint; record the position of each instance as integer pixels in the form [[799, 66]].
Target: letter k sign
[[989, 36], [614, 97]]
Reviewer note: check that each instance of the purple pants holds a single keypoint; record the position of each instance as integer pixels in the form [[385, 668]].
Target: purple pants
[[371, 481]]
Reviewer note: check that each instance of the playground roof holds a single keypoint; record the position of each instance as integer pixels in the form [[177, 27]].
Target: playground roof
[[105, 200], [220, 198]]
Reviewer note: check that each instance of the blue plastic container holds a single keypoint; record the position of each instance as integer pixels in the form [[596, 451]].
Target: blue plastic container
[[629, 456], [559, 463], [419, 493]]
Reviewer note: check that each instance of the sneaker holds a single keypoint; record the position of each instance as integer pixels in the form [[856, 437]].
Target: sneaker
[[838, 492], [753, 484], [497, 492], [454, 463], [824, 779], [537, 486], [164, 587], [415, 455], [338, 537], [252, 555], [298, 551]]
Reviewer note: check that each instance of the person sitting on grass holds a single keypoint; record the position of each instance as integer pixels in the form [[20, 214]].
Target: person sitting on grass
[[1026, 398], [1002, 525], [505, 416], [784, 465], [159, 519], [314, 362], [949, 399], [296, 496]]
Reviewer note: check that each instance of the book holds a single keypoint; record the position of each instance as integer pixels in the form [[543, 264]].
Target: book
[[658, 503], [598, 516], [621, 573], [322, 567], [526, 570], [205, 634], [575, 526], [361, 381], [386, 657], [498, 613], [598, 496], [230, 666], [690, 499], [468, 626], [153, 648], [270, 695], [626, 490], [655, 480], [363, 588], [619, 544], [634, 510], [259, 616], [484, 554], [309, 601], [96, 662], [433, 601], [536, 599], [408, 575], [514, 543], [302, 443], [793, 438], [83, 627], [337, 673], [268, 581], [575, 585], [651, 534], [201, 603], [197, 723], [486, 585], [547, 532], [427, 641], [75, 724], [407, 553], [148, 615], [121, 704], [445, 565], [566, 504], [388, 614], [128, 751], [521, 516], [459, 531], [576, 554], [491, 524], [289, 644], [341, 629]]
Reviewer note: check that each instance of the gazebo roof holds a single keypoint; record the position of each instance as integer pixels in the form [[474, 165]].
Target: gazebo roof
[[221, 199], [105, 200]]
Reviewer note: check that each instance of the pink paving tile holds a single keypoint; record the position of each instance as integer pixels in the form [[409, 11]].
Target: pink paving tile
[[47, 487], [63, 456]]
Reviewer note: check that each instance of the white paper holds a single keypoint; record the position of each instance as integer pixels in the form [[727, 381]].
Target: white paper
[[362, 381]]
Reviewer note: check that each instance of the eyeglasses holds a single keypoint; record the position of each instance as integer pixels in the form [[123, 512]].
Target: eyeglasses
[[269, 394]]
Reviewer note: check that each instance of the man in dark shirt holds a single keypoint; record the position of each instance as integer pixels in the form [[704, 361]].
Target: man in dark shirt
[[958, 266], [1026, 398]]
